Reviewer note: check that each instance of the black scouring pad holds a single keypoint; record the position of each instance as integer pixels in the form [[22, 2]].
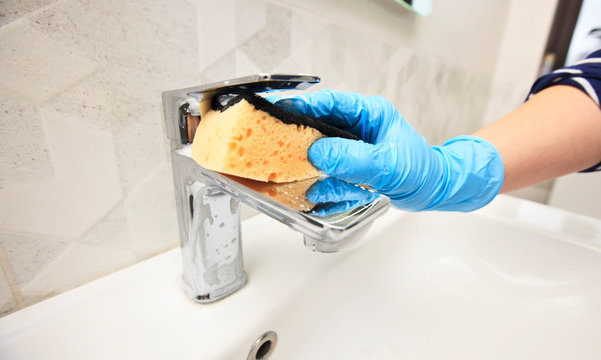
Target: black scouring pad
[[284, 116]]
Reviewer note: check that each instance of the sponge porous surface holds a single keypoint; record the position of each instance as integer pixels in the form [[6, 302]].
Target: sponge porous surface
[[244, 141]]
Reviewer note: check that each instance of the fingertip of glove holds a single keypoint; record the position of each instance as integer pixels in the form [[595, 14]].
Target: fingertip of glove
[[318, 151], [293, 105], [326, 154]]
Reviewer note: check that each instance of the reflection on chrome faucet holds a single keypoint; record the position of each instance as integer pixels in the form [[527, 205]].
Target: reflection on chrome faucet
[[321, 197], [290, 194], [329, 213], [333, 196]]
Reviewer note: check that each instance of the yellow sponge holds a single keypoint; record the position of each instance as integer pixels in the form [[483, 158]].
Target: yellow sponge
[[252, 138]]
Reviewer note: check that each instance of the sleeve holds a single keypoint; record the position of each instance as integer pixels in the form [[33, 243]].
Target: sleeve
[[584, 75]]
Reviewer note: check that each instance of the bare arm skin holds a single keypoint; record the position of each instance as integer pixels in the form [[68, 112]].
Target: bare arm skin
[[556, 132]]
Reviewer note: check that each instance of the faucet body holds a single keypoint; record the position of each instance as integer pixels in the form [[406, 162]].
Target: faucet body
[[208, 203], [210, 237]]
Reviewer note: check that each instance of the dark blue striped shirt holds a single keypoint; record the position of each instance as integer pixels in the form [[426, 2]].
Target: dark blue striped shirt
[[584, 75]]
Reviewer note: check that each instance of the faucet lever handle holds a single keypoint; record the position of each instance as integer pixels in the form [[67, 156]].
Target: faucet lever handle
[[177, 104], [256, 83]]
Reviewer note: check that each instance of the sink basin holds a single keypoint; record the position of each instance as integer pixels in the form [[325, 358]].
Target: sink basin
[[516, 280]]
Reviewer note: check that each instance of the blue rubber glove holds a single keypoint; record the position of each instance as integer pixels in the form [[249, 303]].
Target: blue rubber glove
[[334, 196], [463, 174]]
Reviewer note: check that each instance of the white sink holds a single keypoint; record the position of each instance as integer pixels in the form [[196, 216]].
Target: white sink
[[516, 280]]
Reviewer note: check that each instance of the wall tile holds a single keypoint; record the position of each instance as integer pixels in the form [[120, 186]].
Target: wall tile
[[150, 210], [7, 301], [27, 70], [401, 64], [81, 25], [270, 45], [24, 156], [10, 292], [58, 276], [222, 69], [250, 17], [303, 28], [300, 59], [291, 65], [440, 101], [86, 185], [326, 59], [90, 103], [140, 147], [243, 65], [114, 31], [30, 254], [110, 231], [143, 50], [362, 55], [216, 30], [505, 97], [14, 9]]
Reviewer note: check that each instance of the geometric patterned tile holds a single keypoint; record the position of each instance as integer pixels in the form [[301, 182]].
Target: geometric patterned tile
[[270, 45], [7, 301], [28, 255], [136, 159], [76, 265], [91, 100], [35, 67], [244, 66], [145, 50], [216, 32], [221, 69], [303, 28], [24, 156], [110, 232], [249, 18], [85, 187], [14, 9], [151, 214]]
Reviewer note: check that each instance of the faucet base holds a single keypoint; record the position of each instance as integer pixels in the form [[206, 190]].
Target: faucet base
[[215, 295]]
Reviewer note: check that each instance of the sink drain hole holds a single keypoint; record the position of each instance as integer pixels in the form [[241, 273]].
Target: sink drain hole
[[263, 350], [263, 347]]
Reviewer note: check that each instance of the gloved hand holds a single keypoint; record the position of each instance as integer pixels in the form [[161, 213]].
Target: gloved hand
[[333, 196], [463, 174]]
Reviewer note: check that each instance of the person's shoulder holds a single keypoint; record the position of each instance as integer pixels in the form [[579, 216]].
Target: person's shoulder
[[595, 55]]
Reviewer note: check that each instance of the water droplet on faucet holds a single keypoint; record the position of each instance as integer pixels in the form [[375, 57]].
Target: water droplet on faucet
[[233, 205]]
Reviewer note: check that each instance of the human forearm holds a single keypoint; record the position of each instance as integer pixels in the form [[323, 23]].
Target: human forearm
[[556, 132]]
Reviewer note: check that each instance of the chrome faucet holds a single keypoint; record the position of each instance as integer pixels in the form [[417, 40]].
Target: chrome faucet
[[208, 202]]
